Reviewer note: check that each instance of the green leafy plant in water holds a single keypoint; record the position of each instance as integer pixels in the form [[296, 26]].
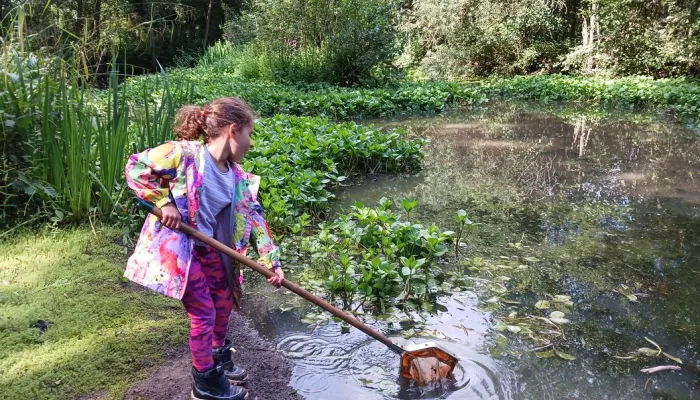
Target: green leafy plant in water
[[464, 222], [373, 258], [408, 206]]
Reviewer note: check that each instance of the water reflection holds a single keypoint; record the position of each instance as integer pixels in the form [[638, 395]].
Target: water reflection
[[605, 199]]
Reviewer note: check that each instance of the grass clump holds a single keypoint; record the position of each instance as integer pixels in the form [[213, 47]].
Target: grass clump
[[70, 324]]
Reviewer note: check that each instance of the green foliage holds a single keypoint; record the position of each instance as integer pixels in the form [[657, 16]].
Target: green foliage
[[678, 95], [62, 139], [341, 103], [338, 42], [456, 38], [371, 257], [89, 33], [657, 38], [464, 37], [76, 141], [301, 158]]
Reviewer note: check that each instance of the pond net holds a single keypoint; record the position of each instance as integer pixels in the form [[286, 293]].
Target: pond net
[[427, 365]]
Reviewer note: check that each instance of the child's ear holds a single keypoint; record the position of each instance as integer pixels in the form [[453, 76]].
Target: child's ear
[[231, 131]]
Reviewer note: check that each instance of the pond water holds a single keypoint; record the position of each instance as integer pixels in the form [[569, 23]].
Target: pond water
[[606, 207]]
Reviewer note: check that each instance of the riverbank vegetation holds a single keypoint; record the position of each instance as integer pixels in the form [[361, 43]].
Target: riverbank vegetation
[[86, 83]]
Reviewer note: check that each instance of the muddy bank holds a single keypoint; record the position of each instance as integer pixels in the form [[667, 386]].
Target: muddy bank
[[269, 372]]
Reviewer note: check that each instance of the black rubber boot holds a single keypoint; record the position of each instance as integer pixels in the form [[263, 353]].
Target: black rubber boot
[[213, 385], [222, 355]]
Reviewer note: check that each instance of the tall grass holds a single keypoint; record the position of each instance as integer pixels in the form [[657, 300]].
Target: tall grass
[[153, 124], [112, 135], [64, 144]]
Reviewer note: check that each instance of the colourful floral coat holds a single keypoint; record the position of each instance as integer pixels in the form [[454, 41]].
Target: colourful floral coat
[[173, 172]]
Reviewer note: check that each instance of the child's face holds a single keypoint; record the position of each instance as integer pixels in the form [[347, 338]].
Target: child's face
[[239, 140]]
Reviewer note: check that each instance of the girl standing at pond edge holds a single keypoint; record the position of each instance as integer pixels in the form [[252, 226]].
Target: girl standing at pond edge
[[198, 179]]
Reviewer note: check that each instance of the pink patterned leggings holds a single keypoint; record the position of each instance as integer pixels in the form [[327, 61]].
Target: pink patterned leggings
[[208, 302]]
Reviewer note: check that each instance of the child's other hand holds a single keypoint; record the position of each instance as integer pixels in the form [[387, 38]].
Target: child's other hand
[[276, 281], [171, 216]]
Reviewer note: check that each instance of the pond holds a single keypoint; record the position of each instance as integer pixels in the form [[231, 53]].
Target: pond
[[602, 207]]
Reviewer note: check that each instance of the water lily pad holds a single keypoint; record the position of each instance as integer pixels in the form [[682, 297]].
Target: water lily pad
[[542, 304], [557, 314], [565, 356], [561, 298]]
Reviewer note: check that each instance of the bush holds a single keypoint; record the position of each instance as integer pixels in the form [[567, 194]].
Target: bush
[[465, 37], [338, 42]]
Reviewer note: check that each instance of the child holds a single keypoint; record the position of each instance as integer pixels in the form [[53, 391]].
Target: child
[[198, 179]]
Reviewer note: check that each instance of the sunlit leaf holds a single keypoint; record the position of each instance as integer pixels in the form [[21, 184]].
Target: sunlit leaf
[[542, 304], [556, 314], [514, 329], [676, 359], [501, 326], [565, 356], [645, 351]]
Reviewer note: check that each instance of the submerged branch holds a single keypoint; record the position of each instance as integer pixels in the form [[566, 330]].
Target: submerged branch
[[660, 368]]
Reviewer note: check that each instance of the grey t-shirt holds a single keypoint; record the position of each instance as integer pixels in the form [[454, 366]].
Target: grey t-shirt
[[215, 199]]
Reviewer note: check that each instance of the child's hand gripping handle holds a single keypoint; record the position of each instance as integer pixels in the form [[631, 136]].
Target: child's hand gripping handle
[[188, 230]]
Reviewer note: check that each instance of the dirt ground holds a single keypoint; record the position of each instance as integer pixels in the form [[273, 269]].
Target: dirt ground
[[269, 372]]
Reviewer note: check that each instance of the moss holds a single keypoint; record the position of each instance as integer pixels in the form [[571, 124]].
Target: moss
[[102, 332]]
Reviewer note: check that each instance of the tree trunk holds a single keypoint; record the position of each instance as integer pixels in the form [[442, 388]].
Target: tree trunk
[[590, 29], [206, 28]]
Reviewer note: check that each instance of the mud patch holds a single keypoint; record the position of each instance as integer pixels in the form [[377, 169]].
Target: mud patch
[[269, 372]]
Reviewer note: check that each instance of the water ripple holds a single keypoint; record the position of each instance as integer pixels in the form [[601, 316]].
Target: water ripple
[[328, 366]]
